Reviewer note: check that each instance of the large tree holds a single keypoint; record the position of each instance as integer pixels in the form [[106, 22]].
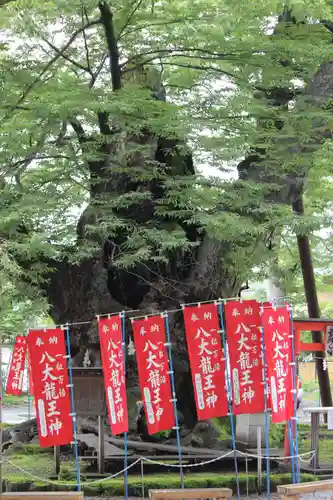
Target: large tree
[[102, 207]]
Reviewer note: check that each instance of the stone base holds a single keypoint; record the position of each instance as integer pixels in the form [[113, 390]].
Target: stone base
[[246, 429]]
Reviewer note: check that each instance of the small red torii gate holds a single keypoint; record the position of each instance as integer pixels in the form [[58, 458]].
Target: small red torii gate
[[310, 325], [307, 325]]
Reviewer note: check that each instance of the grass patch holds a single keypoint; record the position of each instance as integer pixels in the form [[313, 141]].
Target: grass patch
[[224, 428], [30, 458], [325, 449], [115, 487], [310, 386], [276, 435], [14, 400], [7, 426]]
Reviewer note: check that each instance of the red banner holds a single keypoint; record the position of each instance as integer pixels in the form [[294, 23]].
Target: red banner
[[15, 377], [243, 329], [206, 360], [277, 331], [153, 367], [47, 352], [110, 335]]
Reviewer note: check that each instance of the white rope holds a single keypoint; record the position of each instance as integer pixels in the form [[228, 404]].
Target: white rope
[[249, 455], [144, 459], [186, 458], [73, 484], [267, 457]]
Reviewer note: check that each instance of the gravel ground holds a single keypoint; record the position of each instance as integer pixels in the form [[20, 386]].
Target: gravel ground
[[274, 496]]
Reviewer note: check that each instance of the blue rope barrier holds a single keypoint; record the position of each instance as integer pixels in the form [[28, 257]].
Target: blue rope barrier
[[229, 395], [123, 335], [293, 358], [70, 372], [268, 483], [174, 398]]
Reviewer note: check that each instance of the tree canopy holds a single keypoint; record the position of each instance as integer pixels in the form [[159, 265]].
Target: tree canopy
[[112, 116]]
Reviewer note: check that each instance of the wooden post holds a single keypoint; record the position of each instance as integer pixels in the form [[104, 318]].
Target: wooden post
[[100, 444], [57, 459], [315, 418], [310, 289]]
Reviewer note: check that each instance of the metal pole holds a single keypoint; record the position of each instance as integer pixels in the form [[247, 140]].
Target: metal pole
[[229, 396], [123, 336], [291, 448], [247, 475], [259, 462], [1, 419], [294, 429], [268, 483], [142, 481], [174, 397], [76, 451]]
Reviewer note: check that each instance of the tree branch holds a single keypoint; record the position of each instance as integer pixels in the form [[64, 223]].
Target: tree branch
[[67, 58], [107, 22], [203, 68], [130, 17], [210, 55], [150, 25], [50, 63], [79, 130], [98, 70], [84, 12]]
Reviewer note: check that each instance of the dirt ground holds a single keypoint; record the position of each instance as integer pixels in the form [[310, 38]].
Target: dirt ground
[[274, 496]]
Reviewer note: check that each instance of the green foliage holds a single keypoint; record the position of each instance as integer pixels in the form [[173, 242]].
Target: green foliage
[[115, 487], [9, 400], [78, 137]]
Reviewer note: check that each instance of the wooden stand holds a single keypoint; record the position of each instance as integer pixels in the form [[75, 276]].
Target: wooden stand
[[52, 495], [319, 489], [195, 493], [315, 427]]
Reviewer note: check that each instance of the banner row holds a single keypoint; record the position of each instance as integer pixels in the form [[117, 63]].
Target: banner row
[[241, 360]]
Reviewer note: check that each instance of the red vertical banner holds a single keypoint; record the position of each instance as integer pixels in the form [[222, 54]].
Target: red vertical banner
[[14, 384], [207, 360], [47, 352], [112, 352], [243, 330], [277, 332], [153, 367]]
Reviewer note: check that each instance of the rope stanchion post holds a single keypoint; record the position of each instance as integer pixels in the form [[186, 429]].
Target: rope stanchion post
[[264, 370], [142, 481], [174, 397], [247, 475], [259, 460], [229, 394], [70, 372], [123, 335]]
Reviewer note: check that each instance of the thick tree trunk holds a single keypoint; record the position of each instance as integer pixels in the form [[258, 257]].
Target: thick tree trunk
[[310, 289]]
